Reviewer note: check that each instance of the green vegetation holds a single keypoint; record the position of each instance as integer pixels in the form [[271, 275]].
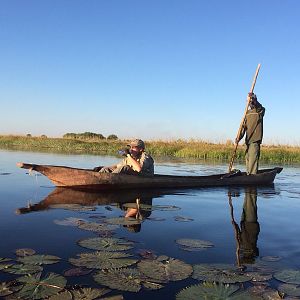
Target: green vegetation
[[196, 149]]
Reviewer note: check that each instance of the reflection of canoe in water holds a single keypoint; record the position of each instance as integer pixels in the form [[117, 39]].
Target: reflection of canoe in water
[[87, 179], [62, 197]]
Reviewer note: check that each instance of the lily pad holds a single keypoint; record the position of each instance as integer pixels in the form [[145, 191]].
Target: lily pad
[[121, 279], [165, 207], [123, 221], [4, 260], [271, 258], [103, 260], [69, 221], [288, 276], [147, 254], [165, 270], [23, 269], [8, 288], [37, 288], [88, 293], [183, 219], [4, 266], [24, 252], [221, 273], [207, 291], [106, 244], [289, 289], [96, 227], [194, 244], [77, 272], [65, 295], [39, 259], [259, 276]]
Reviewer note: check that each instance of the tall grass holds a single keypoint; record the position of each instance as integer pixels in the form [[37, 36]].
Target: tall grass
[[180, 148]]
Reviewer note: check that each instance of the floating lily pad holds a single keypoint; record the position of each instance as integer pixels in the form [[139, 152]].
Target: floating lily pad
[[289, 289], [194, 244], [77, 272], [123, 221], [4, 266], [106, 244], [288, 276], [88, 293], [271, 258], [37, 288], [121, 279], [259, 276], [183, 219], [39, 259], [103, 260], [218, 273], [24, 252], [165, 270], [23, 269], [69, 221], [8, 288], [96, 227], [207, 291], [65, 295], [74, 207], [165, 207], [147, 254]]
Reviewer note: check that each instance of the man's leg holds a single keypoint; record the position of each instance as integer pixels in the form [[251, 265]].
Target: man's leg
[[125, 170], [252, 158]]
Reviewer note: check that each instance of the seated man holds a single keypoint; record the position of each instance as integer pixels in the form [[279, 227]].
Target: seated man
[[136, 161]]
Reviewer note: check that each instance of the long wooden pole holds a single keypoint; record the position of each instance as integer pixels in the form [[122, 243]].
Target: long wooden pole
[[243, 120]]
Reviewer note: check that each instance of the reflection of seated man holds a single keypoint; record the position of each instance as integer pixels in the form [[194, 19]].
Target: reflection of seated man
[[138, 213], [249, 227], [136, 161]]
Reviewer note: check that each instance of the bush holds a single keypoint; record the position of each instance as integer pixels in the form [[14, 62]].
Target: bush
[[112, 137]]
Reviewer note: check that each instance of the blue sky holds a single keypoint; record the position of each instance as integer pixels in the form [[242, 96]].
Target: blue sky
[[159, 69]]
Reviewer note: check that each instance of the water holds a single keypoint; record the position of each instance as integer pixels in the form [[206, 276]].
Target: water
[[271, 228]]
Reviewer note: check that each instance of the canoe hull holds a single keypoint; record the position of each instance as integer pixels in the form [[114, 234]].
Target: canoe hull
[[62, 176]]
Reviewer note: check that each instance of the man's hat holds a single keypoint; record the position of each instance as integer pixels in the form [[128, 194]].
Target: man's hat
[[137, 143]]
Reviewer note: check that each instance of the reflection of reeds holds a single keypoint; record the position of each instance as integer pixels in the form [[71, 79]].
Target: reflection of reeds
[[180, 148]]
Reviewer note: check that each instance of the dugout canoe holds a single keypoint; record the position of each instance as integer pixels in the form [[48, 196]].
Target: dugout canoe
[[63, 176]]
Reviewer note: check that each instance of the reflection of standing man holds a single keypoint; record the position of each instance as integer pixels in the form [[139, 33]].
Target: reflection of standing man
[[249, 227]]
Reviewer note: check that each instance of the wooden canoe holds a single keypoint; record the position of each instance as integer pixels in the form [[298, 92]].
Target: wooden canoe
[[62, 176]]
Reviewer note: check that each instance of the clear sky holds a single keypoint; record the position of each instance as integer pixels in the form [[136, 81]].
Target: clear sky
[[159, 69]]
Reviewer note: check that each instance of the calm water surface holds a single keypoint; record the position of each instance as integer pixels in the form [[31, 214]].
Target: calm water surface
[[270, 223]]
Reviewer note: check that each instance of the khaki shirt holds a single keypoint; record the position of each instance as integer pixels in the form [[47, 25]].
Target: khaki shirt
[[146, 162]]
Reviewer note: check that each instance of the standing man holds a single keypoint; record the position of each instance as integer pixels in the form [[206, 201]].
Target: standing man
[[253, 127]]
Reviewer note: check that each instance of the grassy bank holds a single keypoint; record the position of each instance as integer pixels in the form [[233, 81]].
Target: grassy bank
[[180, 148]]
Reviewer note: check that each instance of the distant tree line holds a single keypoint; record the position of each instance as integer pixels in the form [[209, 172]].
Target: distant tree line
[[89, 136]]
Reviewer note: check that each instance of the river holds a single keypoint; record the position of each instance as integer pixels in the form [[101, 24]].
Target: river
[[34, 215]]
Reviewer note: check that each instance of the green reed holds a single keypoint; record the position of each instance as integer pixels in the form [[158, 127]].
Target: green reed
[[196, 149]]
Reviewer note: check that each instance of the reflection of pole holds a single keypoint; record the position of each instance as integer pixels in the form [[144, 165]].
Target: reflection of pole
[[237, 232]]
